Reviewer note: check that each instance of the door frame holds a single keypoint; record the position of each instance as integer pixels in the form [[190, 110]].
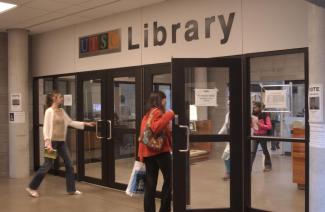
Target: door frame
[[247, 105], [80, 144], [235, 85], [111, 74]]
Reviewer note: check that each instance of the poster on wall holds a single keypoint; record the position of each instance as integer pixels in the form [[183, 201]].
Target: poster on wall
[[276, 99], [206, 97], [67, 100], [15, 102], [316, 103]]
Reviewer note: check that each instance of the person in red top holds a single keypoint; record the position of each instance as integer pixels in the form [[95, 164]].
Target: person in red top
[[155, 160], [264, 124]]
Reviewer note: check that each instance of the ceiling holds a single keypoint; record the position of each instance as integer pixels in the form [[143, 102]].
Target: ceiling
[[45, 15]]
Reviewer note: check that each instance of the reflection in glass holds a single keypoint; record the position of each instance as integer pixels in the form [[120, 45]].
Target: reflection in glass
[[92, 99], [282, 188], [280, 73], [92, 155], [92, 111], [66, 85], [124, 127], [210, 191], [124, 102], [162, 82], [207, 103], [45, 86], [124, 155], [206, 98]]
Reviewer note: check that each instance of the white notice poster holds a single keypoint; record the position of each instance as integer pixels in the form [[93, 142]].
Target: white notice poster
[[206, 97], [316, 103], [193, 113], [67, 100], [276, 99], [15, 102]]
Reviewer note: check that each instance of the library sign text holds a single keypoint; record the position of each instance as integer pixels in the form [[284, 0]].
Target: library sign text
[[110, 42]]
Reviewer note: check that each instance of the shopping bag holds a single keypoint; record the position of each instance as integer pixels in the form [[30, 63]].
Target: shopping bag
[[137, 180]]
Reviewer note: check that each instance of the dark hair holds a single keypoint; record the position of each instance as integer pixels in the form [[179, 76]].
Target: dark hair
[[154, 100], [49, 97]]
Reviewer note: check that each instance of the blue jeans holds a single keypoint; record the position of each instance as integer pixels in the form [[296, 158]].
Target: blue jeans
[[62, 150], [227, 166]]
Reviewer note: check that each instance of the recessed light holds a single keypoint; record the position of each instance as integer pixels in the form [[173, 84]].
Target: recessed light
[[6, 6]]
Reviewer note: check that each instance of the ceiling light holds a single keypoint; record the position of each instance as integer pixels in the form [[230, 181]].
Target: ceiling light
[[6, 6]]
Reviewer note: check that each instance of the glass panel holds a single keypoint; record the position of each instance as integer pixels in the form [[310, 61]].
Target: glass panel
[[124, 127], [278, 83], [92, 155], [67, 86], [124, 155], [162, 82], [92, 99], [92, 112], [45, 86], [282, 188], [206, 99], [212, 190], [124, 102]]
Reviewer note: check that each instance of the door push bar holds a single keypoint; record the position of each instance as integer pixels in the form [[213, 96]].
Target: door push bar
[[98, 137], [110, 129], [187, 138]]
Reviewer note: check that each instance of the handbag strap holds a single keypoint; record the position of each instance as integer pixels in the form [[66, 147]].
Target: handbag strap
[[148, 124]]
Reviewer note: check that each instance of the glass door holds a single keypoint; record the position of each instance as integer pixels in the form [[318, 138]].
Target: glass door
[[93, 142], [124, 116], [207, 135]]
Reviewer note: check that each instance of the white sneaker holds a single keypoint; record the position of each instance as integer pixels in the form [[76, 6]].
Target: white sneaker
[[76, 193], [32, 193]]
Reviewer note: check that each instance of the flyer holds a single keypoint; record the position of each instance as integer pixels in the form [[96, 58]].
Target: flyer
[[15, 102], [316, 103], [206, 97]]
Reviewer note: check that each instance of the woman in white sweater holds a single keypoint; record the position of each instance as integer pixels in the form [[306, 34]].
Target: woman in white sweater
[[56, 123]]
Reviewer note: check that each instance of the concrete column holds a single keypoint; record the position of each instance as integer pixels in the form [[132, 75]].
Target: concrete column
[[18, 84], [316, 30]]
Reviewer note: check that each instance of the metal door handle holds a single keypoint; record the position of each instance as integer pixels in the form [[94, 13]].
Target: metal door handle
[[110, 129], [187, 138], [98, 137]]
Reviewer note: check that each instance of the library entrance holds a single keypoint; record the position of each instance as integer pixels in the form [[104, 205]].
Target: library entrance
[[220, 162]]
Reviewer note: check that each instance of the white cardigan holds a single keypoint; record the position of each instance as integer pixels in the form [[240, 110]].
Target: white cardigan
[[48, 123]]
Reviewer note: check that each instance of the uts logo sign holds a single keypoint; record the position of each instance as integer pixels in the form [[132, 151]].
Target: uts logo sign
[[109, 42], [102, 43]]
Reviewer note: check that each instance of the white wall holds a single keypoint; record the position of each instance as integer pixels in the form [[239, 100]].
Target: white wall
[[259, 25]]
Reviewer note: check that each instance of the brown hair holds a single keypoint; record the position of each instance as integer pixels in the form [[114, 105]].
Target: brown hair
[[154, 100], [49, 97]]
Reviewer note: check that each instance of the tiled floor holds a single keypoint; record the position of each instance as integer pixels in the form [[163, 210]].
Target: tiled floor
[[53, 198], [273, 191]]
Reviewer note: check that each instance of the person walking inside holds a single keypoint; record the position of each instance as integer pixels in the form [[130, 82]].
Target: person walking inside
[[56, 122], [226, 152], [157, 160], [263, 125]]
